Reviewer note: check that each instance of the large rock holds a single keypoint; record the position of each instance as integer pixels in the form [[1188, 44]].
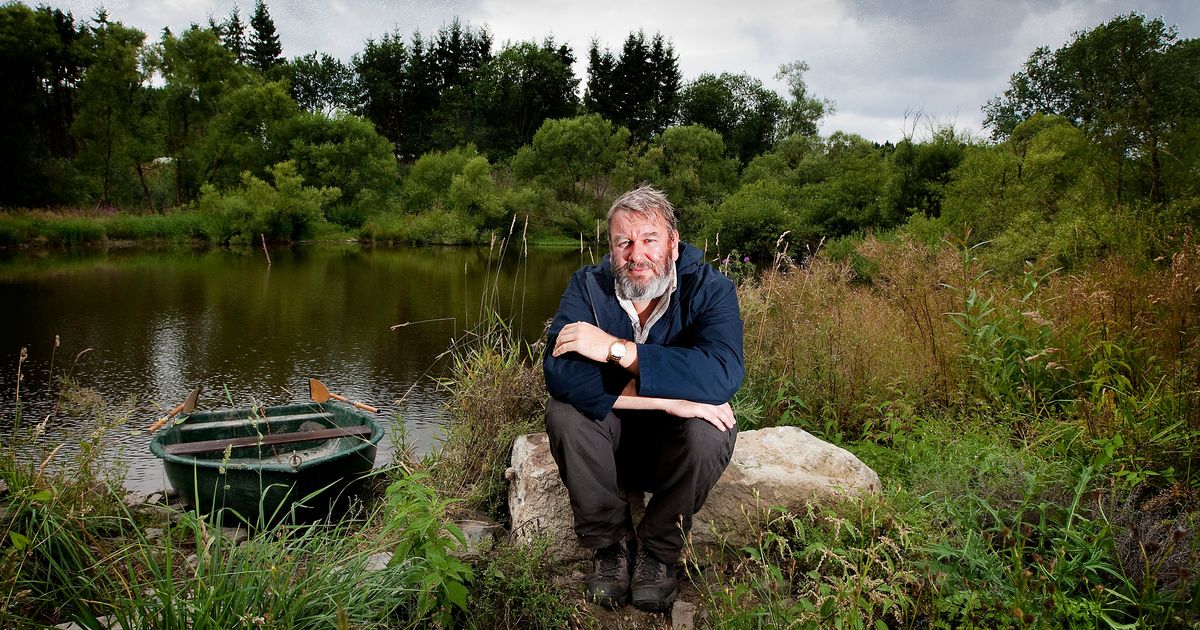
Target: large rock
[[781, 466]]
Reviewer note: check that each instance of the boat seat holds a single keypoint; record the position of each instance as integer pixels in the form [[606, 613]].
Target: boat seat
[[245, 422], [191, 448]]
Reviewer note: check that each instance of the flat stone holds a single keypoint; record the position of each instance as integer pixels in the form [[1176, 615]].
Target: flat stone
[[3, 487], [378, 561], [683, 616], [235, 535], [777, 467], [481, 536], [154, 534]]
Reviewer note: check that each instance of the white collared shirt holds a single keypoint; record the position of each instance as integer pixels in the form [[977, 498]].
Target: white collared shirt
[[640, 333]]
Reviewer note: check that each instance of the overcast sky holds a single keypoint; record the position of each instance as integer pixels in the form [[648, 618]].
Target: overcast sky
[[880, 61]]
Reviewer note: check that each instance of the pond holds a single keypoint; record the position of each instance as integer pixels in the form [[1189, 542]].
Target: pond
[[143, 328]]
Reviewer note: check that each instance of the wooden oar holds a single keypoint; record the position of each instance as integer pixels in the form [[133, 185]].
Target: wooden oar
[[187, 406], [318, 392]]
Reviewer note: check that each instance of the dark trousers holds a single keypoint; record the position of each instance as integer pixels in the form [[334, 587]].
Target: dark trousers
[[677, 459]]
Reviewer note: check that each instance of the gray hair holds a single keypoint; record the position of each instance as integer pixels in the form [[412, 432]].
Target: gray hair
[[647, 202]]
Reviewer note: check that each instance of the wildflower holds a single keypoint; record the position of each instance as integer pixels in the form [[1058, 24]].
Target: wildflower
[[745, 259]]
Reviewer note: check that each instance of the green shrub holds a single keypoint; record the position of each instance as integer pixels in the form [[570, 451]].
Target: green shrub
[[287, 210]]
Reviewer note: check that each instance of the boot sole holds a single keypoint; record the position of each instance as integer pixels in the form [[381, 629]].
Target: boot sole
[[656, 604]]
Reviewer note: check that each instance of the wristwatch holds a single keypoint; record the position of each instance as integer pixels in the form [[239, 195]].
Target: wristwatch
[[617, 350]]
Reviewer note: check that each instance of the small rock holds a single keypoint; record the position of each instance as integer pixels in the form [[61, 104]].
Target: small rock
[[683, 615], [154, 534], [3, 487], [109, 622], [70, 625], [235, 535], [378, 561], [480, 535], [193, 561], [154, 498]]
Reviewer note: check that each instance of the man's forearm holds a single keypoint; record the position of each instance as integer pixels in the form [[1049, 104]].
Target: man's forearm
[[720, 416]]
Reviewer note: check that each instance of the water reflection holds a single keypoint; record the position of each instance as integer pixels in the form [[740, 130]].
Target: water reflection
[[160, 323]]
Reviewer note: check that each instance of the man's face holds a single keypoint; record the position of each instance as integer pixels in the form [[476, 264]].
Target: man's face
[[643, 251]]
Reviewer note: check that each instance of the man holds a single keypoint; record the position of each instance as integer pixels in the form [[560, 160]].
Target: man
[[642, 359]]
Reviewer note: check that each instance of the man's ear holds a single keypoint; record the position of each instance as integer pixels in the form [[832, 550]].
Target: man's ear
[[674, 246]]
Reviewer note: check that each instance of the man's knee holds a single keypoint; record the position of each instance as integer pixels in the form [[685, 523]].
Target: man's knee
[[704, 442], [566, 425], [561, 417]]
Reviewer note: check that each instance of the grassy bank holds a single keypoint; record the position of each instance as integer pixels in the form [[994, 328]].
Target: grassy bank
[[1036, 436]]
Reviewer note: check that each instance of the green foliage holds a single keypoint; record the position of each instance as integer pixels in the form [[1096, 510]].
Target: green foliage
[[1128, 84], [497, 395], [428, 181], [418, 516], [689, 165], [804, 111], [584, 160], [737, 106], [238, 137], [1009, 350], [321, 84], [432, 227], [636, 89], [755, 218], [514, 589], [286, 210], [343, 152], [418, 94], [265, 52], [110, 125], [40, 66], [517, 91]]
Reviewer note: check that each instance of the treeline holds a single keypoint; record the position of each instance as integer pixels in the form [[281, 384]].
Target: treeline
[[446, 137]]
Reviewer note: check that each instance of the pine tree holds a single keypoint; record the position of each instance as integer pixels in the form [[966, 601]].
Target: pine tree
[[265, 50], [233, 36]]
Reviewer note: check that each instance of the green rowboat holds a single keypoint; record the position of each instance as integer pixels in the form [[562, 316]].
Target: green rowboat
[[266, 465]]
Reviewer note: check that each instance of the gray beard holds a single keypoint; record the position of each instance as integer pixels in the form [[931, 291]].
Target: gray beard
[[653, 288]]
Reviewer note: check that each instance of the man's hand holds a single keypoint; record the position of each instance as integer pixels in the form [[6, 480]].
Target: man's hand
[[720, 416], [586, 339]]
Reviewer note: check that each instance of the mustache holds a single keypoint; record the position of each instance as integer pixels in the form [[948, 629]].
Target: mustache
[[631, 266]]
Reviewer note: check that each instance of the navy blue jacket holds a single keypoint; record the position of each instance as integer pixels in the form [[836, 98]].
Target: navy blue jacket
[[694, 352]]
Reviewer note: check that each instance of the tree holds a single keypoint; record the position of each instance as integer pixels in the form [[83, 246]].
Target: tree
[[197, 72], [419, 95], [343, 152], [233, 36], [322, 84], [381, 68], [40, 69], [238, 138], [639, 88], [1128, 84], [737, 106], [581, 159], [804, 111], [266, 53], [689, 164], [110, 119], [522, 87]]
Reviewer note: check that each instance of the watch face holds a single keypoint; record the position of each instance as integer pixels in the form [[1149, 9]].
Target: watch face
[[617, 349]]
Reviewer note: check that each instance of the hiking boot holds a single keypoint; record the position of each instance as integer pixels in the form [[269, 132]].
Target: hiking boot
[[608, 584], [654, 582]]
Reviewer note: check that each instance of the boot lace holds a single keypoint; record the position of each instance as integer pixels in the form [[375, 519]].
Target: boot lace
[[648, 567]]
